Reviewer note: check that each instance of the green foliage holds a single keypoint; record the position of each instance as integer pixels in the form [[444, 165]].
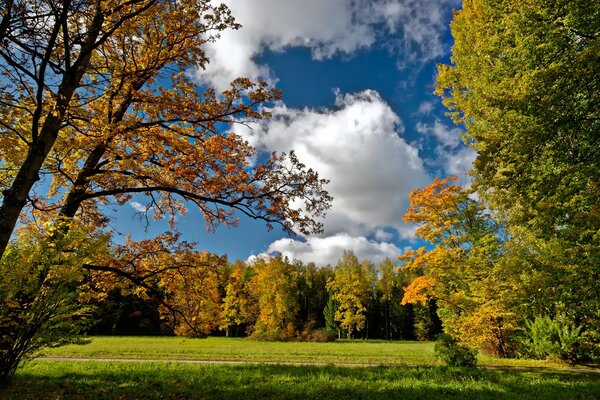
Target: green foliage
[[39, 294], [523, 80], [453, 353], [555, 338], [329, 313]]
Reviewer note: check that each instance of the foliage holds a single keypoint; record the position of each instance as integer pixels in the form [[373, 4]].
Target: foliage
[[192, 292], [40, 293], [545, 337], [329, 313], [523, 81], [350, 288], [274, 286], [454, 353], [238, 307], [111, 112], [468, 270]]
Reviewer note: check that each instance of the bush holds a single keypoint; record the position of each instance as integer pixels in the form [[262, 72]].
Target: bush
[[318, 335], [545, 337], [453, 353]]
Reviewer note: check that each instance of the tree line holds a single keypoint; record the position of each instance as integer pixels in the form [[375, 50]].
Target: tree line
[[274, 298]]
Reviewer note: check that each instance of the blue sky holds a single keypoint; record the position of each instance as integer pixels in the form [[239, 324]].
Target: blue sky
[[358, 107]]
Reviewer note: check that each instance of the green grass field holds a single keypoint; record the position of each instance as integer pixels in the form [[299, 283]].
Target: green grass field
[[414, 373], [373, 352]]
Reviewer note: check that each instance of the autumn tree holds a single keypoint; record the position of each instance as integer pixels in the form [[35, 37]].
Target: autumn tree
[[477, 291], [193, 293], [275, 288], [99, 97], [524, 80], [238, 307], [45, 51], [350, 289], [135, 122]]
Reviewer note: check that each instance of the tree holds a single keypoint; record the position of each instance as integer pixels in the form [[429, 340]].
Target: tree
[[313, 293], [192, 291], [349, 289], [476, 289], [275, 288], [45, 49], [40, 294], [524, 80], [133, 121], [386, 283], [238, 307], [99, 98]]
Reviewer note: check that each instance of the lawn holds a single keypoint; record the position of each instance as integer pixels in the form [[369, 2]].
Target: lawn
[[373, 352], [411, 373], [163, 380]]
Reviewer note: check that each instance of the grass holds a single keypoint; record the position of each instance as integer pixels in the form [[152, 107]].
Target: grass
[[164, 380], [411, 372], [374, 352]]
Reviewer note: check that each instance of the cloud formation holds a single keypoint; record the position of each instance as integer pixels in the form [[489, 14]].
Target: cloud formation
[[358, 146], [329, 250], [412, 29]]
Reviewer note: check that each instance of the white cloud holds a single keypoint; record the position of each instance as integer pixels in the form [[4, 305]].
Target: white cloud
[[411, 28], [382, 235], [137, 206], [358, 147], [452, 156], [329, 250], [459, 163], [426, 108], [447, 137]]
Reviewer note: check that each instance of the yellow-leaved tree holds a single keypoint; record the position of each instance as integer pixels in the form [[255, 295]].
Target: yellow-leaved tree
[[465, 267]]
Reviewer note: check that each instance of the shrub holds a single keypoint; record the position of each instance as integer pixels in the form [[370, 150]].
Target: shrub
[[453, 353], [317, 335], [553, 338]]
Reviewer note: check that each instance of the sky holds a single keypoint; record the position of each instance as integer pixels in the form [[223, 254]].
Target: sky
[[358, 107]]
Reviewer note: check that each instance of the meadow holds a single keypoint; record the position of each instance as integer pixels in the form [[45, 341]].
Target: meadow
[[389, 370]]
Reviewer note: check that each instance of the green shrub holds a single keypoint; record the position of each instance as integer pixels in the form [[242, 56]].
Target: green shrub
[[453, 353], [552, 338]]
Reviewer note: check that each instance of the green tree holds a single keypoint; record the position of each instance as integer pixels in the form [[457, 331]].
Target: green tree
[[41, 294], [386, 284], [524, 80]]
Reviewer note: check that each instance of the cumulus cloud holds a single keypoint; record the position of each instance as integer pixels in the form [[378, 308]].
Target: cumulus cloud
[[411, 28], [358, 146], [329, 250]]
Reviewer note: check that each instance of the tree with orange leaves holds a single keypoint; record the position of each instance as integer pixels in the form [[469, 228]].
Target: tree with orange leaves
[[465, 268], [111, 111], [99, 97]]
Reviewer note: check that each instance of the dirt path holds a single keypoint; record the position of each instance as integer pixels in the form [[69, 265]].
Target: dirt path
[[319, 364]]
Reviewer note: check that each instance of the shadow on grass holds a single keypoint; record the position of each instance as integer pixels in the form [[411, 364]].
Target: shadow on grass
[[70, 380]]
